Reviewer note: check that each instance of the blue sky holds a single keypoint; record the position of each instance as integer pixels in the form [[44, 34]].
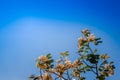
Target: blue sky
[[29, 28]]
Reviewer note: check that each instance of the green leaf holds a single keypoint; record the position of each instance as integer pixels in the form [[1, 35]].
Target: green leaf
[[86, 50], [32, 76], [49, 56], [98, 42], [61, 53], [51, 65], [98, 39], [95, 51], [87, 68], [64, 54], [113, 66], [101, 77], [104, 62], [95, 42], [111, 62], [50, 61], [93, 58]]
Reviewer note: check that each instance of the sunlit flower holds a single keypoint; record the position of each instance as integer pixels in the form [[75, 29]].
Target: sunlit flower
[[47, 76], [42, 58], [39, 77], [51, 70], [107, 67], [111, 72], [80, 39], [76, 73], [81, 42], [41, 66], [91, 38], [76, 63], [110, 69], [105, 56], [85, 32], [68, 64], [60, 68]]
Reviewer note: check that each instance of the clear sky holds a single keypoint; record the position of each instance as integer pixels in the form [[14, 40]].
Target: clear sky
[[29, 28]]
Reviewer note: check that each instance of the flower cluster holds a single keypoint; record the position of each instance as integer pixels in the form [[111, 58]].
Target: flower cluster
[[108, 70], [47, 76], [41, 62], [64, 65], [88, 37], [88, 61], [100, 65], [86, 32]]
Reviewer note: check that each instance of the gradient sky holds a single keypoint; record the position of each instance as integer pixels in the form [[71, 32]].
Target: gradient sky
[[29, 28]]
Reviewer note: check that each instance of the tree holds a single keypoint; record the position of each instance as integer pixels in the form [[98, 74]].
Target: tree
[[88, 61]]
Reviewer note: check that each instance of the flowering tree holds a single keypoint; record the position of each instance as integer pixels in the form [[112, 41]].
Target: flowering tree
[[88, 61]]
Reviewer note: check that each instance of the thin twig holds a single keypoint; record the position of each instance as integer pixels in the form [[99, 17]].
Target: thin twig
[[68, 75], [59, 75], [96, 65]]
